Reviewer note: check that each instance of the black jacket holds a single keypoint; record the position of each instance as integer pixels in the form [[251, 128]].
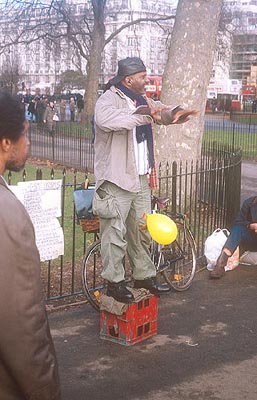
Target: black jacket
[[248, 212]]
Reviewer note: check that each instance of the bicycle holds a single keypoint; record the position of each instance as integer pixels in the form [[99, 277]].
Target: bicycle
[[176, 262]]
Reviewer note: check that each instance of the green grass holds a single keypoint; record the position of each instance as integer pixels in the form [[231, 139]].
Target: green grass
[[245, 118], [243, 140], [72, 129]]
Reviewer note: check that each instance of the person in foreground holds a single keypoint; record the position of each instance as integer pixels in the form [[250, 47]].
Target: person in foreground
[[124, 166], [243, 234], [28, 365]]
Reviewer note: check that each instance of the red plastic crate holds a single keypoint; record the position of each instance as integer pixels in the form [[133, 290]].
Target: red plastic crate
[[138, 323]]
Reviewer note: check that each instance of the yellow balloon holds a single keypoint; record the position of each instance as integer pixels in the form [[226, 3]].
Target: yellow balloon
[[161, 228]]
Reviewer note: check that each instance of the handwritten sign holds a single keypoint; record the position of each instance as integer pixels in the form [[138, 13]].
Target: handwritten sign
[[42, 200]]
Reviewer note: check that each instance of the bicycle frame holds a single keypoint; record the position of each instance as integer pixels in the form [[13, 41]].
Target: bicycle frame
[[157, 248], [177, 253]]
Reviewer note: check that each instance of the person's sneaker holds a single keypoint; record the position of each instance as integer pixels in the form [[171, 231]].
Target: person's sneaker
[[119, 292], [152, 285], [219, 269]]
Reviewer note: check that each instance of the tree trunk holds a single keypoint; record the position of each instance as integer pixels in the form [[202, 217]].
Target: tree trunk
[[95, 60], [186, 77], [93, 73]]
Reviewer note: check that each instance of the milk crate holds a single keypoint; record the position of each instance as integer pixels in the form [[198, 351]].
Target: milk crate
[[138, 323]]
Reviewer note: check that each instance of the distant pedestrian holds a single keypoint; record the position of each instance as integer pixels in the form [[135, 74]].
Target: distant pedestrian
[[51, 118], [32, 110], [214, 104], [63, 110], [80, 106], [41, 107], [72, 109], [254, 105]]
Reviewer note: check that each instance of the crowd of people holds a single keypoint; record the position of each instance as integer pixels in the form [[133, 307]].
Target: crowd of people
[[36, 108]]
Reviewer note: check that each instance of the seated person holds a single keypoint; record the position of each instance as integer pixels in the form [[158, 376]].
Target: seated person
[[243, 234]]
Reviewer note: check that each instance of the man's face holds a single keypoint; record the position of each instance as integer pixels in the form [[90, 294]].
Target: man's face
[[18, 152], [138, 82]]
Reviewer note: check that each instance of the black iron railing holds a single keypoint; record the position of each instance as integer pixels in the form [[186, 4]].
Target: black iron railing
[[207, 191]]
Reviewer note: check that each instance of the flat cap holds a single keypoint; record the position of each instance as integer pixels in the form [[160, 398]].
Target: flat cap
[[128, 66]]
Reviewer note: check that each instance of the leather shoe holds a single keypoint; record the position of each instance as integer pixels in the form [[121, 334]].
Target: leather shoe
[[119, 292], [152, 285]]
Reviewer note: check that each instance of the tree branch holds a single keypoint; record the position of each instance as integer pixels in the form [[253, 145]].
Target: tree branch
[[135, 22]]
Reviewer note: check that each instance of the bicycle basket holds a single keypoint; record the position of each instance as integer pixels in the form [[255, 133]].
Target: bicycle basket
[[90, 225]]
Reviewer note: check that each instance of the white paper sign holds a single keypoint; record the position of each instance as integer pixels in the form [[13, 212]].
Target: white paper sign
[[42, 200]]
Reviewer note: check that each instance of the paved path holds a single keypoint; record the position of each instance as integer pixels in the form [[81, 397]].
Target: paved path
[[205, 349], [249, 179]]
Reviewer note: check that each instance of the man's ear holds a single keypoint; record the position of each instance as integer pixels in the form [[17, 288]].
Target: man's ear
[[5, 144], [128, 80]]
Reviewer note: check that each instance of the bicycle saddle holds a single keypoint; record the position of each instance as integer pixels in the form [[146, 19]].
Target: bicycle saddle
[[161, 201]]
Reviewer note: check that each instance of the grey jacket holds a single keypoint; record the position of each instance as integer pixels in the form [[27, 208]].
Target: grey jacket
[[114, 149], [28, 366]]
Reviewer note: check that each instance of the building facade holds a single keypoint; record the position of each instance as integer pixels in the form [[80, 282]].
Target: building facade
[[244, 45], [41, 62]]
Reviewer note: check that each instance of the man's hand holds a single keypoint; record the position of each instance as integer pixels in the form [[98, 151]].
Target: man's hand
[[253, 227], [183, 116], [155, 112]]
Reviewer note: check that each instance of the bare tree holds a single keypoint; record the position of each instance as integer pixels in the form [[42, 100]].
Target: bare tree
[[187, 75], [10, 74], [54, 19]]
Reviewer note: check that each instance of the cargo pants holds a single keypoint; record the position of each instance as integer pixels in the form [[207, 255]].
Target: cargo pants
[[121, 221]]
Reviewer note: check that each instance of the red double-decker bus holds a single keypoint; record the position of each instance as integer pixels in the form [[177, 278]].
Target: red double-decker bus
[[154, 88], [248, 92]]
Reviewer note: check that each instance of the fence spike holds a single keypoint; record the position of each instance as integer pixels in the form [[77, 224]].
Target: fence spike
[[9, 176], [39, 174]]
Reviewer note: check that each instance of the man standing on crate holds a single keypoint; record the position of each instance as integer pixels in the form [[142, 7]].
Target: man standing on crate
[[124, 166], [28, 365]]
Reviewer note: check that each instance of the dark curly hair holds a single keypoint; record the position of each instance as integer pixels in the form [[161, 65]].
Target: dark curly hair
[[12, 117]]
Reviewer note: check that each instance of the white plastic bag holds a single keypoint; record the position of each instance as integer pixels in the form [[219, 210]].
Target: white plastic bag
[[55, 117], [213, 246]]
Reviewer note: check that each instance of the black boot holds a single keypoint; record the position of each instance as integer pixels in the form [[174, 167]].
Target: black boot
[[219, 269], [119, 292], [152, 285]]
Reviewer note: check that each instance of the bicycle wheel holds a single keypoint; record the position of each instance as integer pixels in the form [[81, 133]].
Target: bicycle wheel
[[93, 283], [180, 259]]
